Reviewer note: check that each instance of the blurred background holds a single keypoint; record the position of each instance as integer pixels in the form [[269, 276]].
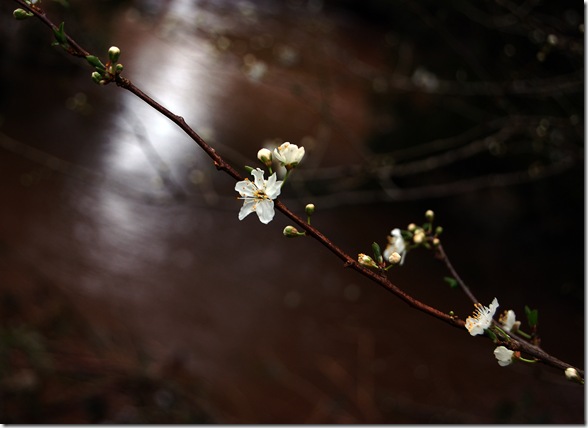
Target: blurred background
[[131, 293]]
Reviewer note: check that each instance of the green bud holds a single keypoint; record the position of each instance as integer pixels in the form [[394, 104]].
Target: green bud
[[113, 54], [118, 69], [438, 230], [309, 209], [532, 316], [96, 77], [21, 14], [60, 34], [451, 281], [292, 232], [95, 62], [377, 252]]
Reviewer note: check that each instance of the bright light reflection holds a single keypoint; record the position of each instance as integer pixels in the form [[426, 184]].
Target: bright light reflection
[[175, 69], [178, 71]]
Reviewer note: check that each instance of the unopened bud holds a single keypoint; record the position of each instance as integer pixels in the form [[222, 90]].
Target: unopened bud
[[21, 14], [309, 209], [572, 374], [119, 68], [419, 236], [438, 230], [96, 77], [412, 227], [429, 215], [292, 232], [395, 258], [113, 54], [366, 260], [265, 156]]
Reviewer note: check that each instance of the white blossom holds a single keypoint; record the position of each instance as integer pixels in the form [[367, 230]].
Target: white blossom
[[289, 155], [482, 318], [258, 195], [509, 320], [503, 355], [396, 244]]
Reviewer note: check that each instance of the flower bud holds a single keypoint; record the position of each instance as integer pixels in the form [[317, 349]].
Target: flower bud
[[113, 54], [119, 68], [309, 209], [395, 258], [21, 14], [265, 156], [429, 215], [96, 77], [412, 227], [572, 374], [366, 260], [419, 236], [292, 232], [438, 230]]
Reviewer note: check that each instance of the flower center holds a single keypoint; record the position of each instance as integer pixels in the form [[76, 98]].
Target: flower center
[[260, 194]]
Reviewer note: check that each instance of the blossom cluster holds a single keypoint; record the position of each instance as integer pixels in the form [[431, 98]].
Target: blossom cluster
[[258, 195]]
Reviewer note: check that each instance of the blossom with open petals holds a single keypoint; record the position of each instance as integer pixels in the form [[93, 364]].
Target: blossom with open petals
[[258, 195], [289, 155], [503, 355], [482, 318], [396, 244]]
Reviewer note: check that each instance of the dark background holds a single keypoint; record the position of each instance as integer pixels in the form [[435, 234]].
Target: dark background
[[131, 293]]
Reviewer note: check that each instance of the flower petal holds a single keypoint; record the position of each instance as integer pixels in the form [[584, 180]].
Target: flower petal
[[258, 174], [245, 188], [265, 210], [247, 208]]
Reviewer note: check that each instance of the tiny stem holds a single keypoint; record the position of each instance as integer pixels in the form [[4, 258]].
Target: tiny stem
[[455, 275], [285, 178]]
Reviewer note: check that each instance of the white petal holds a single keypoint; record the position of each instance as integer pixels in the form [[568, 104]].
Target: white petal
[[273, 187], [247, 208], [258, 174], [265, 210], [493, 306], [503, 355], [245, 188]]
